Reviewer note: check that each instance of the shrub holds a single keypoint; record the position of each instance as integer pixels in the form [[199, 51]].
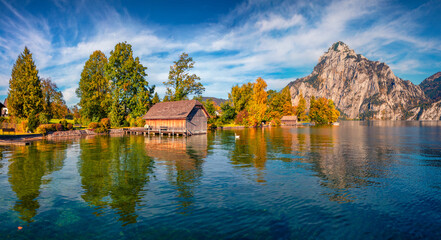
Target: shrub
[[275, 122], [46, 128], [64, 123], [41, 130], [69, 126], [76, 121], [100, 129], [105, 122], [94, 125], [59, 127]]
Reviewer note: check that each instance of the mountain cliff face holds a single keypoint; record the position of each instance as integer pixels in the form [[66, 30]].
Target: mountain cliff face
[[360, 88], [432, 87]]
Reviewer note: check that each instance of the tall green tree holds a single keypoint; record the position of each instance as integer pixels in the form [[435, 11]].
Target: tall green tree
[[180, 82], [210, 107], [54, 105], [94, 88], [25, 97], [228, 113], [131, 94]]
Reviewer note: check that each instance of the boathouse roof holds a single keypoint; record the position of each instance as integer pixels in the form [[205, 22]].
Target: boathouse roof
[[289, 118], [173, 110]]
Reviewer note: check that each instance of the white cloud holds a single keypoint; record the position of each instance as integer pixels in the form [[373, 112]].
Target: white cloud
[[254, 40], [276, 22]]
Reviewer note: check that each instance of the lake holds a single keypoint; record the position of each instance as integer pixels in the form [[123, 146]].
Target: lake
[[359, 180]]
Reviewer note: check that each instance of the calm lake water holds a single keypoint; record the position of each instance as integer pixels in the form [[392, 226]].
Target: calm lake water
[[360, 180]]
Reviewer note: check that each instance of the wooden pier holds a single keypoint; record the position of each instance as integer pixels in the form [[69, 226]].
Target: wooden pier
[[157, 131]]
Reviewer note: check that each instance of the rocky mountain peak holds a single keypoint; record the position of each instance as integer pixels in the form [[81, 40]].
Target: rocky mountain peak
[[339, 51], [339, 47], [360, 88]]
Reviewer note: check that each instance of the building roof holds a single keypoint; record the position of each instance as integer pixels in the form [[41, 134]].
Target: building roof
[[173, 110], [289, 118], [2, 105]]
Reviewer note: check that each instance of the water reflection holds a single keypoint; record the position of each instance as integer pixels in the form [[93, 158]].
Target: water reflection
[[27, 170], [114, 172], [343, 158], [250, 150], [183, 159]]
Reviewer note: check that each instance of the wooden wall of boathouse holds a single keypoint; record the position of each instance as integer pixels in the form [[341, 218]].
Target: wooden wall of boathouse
[[197, 121], [169, 123]]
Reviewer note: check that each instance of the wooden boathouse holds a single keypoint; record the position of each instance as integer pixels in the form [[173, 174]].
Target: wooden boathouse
[[289, 120], [187, 117]]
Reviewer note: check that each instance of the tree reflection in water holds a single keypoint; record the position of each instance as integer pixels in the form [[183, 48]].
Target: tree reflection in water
[[250, 150], [183, 158], [114, 171], [28, 167]]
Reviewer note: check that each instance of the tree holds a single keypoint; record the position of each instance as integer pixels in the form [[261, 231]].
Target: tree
[[240, 96], [279, 104], [25, 97], [322, 111], [156, 99], [180, 83], [301, 109], [94, 88], [76, 112], [210, 106], [54, 105], [131, 94], [228, 113], [258, 104]]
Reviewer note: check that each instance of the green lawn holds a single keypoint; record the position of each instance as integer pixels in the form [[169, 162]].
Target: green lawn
[[58, 121]]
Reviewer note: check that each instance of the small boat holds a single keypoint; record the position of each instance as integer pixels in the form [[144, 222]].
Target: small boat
[[336, 123]]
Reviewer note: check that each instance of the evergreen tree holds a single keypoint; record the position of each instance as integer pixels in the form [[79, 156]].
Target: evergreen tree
[[131, 94], [156, 99], [180, 83], [94, 88], [25, 97]]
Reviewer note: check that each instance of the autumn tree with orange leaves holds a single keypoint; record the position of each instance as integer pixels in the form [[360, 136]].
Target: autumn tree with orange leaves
[[258, 104]]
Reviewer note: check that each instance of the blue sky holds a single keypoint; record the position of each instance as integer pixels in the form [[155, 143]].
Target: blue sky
[[231, 41]]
